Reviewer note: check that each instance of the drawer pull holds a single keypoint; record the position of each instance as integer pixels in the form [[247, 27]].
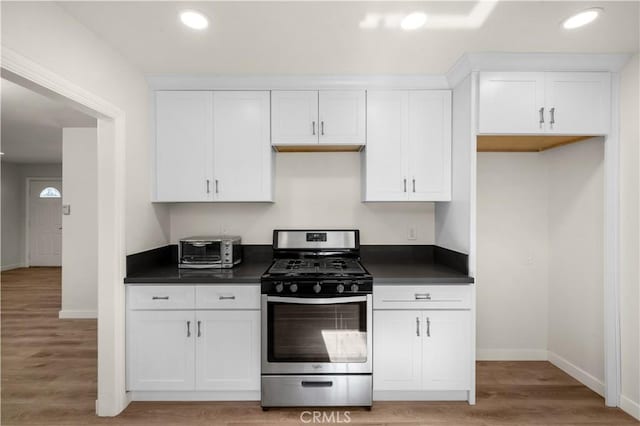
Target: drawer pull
[[160, 298], [199, 334], [423, 296], [227, 298], [188, 328], [316, 384]]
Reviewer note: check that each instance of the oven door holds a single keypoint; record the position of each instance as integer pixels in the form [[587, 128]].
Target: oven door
[[316, 335], [200, 253]]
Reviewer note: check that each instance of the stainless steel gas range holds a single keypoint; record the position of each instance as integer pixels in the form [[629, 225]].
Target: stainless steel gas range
[[316, 321]]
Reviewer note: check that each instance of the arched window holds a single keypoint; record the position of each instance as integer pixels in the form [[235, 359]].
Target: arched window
[[50, 192]]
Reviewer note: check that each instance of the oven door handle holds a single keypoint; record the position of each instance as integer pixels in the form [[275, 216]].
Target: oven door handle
[[317, 300]]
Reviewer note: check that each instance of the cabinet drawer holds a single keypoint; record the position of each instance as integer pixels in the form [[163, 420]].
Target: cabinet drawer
[[422, 297], [161, 297], [228, 297]]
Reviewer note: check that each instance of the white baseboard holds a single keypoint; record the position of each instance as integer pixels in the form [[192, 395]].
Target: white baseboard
[[511, 355], [194, 395], [12, 266], [630, 407], [382, 395], [577, 373], [75, 314]]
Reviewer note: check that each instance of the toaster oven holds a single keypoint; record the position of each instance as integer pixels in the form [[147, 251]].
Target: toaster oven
[[210, 252]]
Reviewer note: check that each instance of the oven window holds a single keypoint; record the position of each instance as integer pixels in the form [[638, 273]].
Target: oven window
[[317, 333], [200, 252]]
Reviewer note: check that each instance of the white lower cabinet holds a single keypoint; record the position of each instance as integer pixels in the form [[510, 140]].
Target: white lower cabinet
[[178, 352]]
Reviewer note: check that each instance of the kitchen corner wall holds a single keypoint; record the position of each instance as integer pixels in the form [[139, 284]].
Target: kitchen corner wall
[[312, 190]]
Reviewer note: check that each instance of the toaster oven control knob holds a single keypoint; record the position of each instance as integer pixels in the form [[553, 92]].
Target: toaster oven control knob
[[340, 288], [279, 287], [317, 288], [293, 288], [354, 287]]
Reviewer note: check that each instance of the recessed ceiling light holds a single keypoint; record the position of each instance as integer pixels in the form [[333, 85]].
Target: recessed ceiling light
[[193, 19], [582, 18], [413, 21]]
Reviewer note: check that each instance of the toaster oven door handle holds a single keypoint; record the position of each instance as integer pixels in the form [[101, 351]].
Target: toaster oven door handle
[[198, 244], [317, 300]]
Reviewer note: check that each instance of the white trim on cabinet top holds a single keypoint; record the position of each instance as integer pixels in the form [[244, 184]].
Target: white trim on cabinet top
[[295, 82], [534, 62]]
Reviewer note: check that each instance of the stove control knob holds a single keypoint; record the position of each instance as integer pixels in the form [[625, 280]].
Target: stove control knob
[[293, 288], [354, 287], [317, 288], [279, 287], [340, 288]]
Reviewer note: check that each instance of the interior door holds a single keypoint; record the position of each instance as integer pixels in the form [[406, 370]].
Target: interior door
[[397, 350], [228, 350], [510, 103], [294, 117], [161, 350], [581, 102], [430, 145], [446, 350], [184, 145], [242, 152], [45, 222], [387, 144], [342, 117]]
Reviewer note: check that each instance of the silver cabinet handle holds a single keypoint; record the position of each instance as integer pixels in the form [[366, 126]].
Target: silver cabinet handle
[[188, 328], [552, 111], [405, 184], [226, 298], [216, 186], [418, 326], [322, 128], [541, 117], [208, 186], [316, 384], [160, 298], [428, 327], [423, 296], [199, 334], [414, 184], [313, 127]]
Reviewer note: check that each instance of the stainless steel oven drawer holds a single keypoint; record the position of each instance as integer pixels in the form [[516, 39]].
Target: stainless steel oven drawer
[[316, 391]]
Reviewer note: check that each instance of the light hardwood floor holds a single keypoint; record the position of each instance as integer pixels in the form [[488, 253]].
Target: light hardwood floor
[[49, 378]]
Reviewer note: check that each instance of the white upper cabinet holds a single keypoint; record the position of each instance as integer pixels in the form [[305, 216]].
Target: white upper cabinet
[[408, 153], [294, 117], [331, 117], [183, 149], [559, 103], [241, 149], [342, 117], [212, 146]]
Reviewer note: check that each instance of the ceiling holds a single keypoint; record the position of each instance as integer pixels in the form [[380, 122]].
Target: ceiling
[[303, 37], [32, 125]]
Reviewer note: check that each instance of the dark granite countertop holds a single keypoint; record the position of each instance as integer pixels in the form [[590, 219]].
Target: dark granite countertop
[[388, 264]]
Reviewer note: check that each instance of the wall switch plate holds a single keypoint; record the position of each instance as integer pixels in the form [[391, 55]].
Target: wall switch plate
[[412, 233], [66, 209]]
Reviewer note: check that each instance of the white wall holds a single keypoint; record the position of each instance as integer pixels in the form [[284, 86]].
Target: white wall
[[313, 190], [62, 45], [576, 259], [512, 244], [629, 236], [80, 228], [14, 177]]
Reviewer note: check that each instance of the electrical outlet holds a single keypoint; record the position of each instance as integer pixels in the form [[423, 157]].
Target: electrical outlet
[[412, 234], [223, 230]]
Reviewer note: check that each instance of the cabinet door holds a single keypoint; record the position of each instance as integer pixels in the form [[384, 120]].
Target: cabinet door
[[385, 173], [430, 145], [397, 350], [342, 117], [242, 152], [578, 102], [510, 103], [294, 117], [160, 350], [446, 350], [183, 126], [228, 350]]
